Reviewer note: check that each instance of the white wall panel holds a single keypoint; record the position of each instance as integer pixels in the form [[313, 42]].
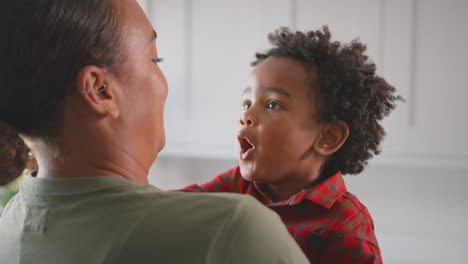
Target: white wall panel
[[440, 77], [424, 57], [170, 20], [416, 45], [396, 68], [226, 35], [347, 20]]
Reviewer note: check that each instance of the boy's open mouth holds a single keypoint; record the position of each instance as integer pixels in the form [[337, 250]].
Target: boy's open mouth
[[246, 146]]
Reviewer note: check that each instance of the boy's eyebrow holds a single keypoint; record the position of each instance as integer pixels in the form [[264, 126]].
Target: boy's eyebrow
[[246, 90], [269, 89], [277, 90]]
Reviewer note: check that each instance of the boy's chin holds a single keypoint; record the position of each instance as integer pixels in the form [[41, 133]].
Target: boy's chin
[[247, 172]]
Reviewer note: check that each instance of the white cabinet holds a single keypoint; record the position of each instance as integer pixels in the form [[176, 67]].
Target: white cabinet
[[418, 46], [208, 45], [425, 53]]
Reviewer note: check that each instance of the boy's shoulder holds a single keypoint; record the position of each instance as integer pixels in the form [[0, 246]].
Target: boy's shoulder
[[342, 210], [348, 214]]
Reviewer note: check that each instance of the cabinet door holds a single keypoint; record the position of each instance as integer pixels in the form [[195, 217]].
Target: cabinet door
[[170, 20], [430, 128], [347, 20], [439, 70], [209, 45], [418, 46]]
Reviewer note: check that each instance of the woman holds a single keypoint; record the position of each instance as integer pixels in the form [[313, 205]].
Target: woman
[[81, 84]]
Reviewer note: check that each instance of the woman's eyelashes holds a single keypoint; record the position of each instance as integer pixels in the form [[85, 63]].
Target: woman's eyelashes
[[158, 60]]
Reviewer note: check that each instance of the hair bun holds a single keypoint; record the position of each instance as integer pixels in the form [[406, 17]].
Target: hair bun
[[14, 154]]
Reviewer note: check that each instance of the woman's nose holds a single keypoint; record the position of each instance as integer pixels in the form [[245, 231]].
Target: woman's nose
[[248, 120]]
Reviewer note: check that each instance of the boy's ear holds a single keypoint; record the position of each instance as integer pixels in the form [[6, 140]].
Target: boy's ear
[[331, 139], [96, 89]]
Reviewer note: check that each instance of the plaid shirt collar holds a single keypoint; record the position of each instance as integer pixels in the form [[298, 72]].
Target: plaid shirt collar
[[324, 194]]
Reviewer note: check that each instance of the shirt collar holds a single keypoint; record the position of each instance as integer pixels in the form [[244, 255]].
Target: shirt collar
[[324, 194], [69, 186]]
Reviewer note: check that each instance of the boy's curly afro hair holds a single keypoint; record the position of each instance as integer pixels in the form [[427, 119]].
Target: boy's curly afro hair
[[349, 90]]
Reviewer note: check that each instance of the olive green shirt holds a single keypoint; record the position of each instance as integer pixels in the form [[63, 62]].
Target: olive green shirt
[[112, 220]]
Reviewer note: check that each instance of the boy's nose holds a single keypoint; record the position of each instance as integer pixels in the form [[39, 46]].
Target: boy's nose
[[247, 120]]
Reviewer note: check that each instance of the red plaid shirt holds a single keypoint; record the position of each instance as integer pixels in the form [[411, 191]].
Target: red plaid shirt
[[330, 224]]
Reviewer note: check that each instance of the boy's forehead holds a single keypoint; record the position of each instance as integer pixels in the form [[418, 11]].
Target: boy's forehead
[[281, 63], [282, 75], [280, 69]]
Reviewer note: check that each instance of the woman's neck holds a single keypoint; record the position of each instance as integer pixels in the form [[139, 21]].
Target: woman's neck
[[87, 160]]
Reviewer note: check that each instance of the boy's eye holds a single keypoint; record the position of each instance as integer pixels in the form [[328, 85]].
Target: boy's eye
[[158, 60], [273, 105], [246, 105]]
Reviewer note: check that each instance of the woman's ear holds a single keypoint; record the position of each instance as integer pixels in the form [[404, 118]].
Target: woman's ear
[[96, 89], [331, 139]]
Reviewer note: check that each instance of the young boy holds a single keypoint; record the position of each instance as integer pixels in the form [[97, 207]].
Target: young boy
[[311, 113]]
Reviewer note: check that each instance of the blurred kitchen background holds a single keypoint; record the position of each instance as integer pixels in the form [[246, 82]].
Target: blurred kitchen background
[[416, 190]]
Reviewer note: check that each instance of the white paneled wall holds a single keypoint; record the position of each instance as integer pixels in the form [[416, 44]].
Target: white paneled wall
[[416, 188], [417, 45]]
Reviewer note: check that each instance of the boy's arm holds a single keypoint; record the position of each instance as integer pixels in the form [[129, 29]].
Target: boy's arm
[[229, 181], [358, 246], [255, 234]]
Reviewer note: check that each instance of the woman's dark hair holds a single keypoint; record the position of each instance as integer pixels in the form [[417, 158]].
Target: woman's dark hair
[[47, 43], [349, 90]]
